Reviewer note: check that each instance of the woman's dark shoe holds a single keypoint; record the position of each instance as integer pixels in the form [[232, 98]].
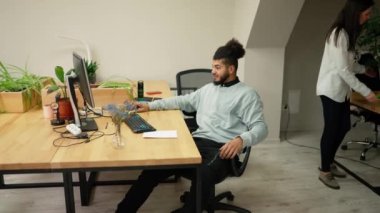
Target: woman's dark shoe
[[337, 173], [327, 178]]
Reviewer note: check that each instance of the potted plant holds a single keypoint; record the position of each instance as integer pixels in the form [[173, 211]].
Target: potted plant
[[91, 67], [65, 110], [20, 90]]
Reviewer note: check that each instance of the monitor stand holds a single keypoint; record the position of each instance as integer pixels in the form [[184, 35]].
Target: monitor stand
[[88, 124]]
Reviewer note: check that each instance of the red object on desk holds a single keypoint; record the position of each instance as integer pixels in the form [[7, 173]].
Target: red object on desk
[[153, 92]]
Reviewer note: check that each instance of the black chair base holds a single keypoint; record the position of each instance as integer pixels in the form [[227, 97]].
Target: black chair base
[[217, 205], [369, 145]]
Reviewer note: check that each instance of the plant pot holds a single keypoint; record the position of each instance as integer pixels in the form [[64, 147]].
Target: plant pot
[[65, 110]]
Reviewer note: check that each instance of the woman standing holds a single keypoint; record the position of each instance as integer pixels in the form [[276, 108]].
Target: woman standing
[[335, 81]]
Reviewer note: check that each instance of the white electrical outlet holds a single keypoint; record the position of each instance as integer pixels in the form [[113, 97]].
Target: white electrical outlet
[[294, 101]]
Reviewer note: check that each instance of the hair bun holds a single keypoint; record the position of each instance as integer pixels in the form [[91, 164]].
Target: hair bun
[[237, 50], [232, 50]]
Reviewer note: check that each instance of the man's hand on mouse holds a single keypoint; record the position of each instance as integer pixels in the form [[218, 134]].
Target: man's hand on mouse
[[141, 107]]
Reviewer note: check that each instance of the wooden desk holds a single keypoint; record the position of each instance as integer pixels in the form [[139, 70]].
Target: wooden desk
[[360, 101], [26, 144], [26, 141]]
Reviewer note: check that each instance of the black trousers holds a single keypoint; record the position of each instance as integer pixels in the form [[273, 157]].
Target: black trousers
[[336, 124], [213, 169]]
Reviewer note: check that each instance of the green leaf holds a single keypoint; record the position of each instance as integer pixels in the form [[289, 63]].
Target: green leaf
[[60, 73], [52, 88]]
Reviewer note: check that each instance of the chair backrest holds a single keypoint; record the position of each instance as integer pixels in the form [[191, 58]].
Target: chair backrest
[[372, 83], [190, 80]]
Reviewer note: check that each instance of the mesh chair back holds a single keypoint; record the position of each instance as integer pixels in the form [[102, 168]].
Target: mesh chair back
[[190, 80]]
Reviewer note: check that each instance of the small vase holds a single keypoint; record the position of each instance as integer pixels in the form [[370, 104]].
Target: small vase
[[118, 140]]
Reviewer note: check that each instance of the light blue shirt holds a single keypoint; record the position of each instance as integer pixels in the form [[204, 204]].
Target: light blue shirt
[[223, 113]]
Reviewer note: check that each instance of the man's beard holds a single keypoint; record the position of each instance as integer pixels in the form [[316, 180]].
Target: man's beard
[[222, 79]]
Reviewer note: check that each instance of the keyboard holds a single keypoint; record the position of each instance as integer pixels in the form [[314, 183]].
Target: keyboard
[[138, 125]]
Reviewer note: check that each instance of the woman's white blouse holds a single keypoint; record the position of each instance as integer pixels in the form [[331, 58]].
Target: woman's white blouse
[[338, 68]]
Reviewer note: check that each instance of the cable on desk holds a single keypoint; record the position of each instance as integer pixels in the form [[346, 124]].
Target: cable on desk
[[98, 115], [55, 129], [66, 135]]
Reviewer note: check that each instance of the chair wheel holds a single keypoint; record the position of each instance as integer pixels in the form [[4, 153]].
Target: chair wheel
[[362, 157], [183, 197], [344, 147], [230, 197]]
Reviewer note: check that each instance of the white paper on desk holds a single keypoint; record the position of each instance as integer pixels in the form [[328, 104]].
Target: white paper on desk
[[161, 134]]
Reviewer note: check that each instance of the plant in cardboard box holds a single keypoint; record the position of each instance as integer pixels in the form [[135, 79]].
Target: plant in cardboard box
[[125, 88], [65, 111], [20, 90], [91, 67]]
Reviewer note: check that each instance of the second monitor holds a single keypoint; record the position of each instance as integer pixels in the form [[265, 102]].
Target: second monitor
[[80, 76]]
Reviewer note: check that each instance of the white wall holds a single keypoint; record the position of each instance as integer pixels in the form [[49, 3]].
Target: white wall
[[244, 14], [138, 39], [264, 63], [264, 73]]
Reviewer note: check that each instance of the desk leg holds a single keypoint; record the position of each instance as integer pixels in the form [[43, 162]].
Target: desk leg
[[83, 187], [2, 183], [86, 186], [69, 192], [198, 190]]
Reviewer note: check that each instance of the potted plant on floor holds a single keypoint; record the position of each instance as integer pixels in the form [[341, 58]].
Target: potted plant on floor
[[20, 90], [65, 110]]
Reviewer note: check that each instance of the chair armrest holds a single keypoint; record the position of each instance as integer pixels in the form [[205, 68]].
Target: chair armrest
[[238, 167]]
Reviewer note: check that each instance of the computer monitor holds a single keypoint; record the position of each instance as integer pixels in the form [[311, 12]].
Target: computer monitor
[[80, 76], [84, 85]]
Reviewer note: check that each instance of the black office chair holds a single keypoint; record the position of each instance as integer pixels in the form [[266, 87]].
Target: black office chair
[[370, 144], [188, 81], [238, 166], [366, 116]]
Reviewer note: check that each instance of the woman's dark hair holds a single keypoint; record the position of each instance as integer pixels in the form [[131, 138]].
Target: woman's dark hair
[[348, 19], [230, 53]]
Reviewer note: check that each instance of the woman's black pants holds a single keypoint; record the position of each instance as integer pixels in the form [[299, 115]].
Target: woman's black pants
[[336, 124]]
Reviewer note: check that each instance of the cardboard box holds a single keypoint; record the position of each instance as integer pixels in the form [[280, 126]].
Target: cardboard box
[[102, 96], [18, 101]]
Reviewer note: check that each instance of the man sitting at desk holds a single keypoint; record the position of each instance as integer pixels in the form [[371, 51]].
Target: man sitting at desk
[[229, 116]]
